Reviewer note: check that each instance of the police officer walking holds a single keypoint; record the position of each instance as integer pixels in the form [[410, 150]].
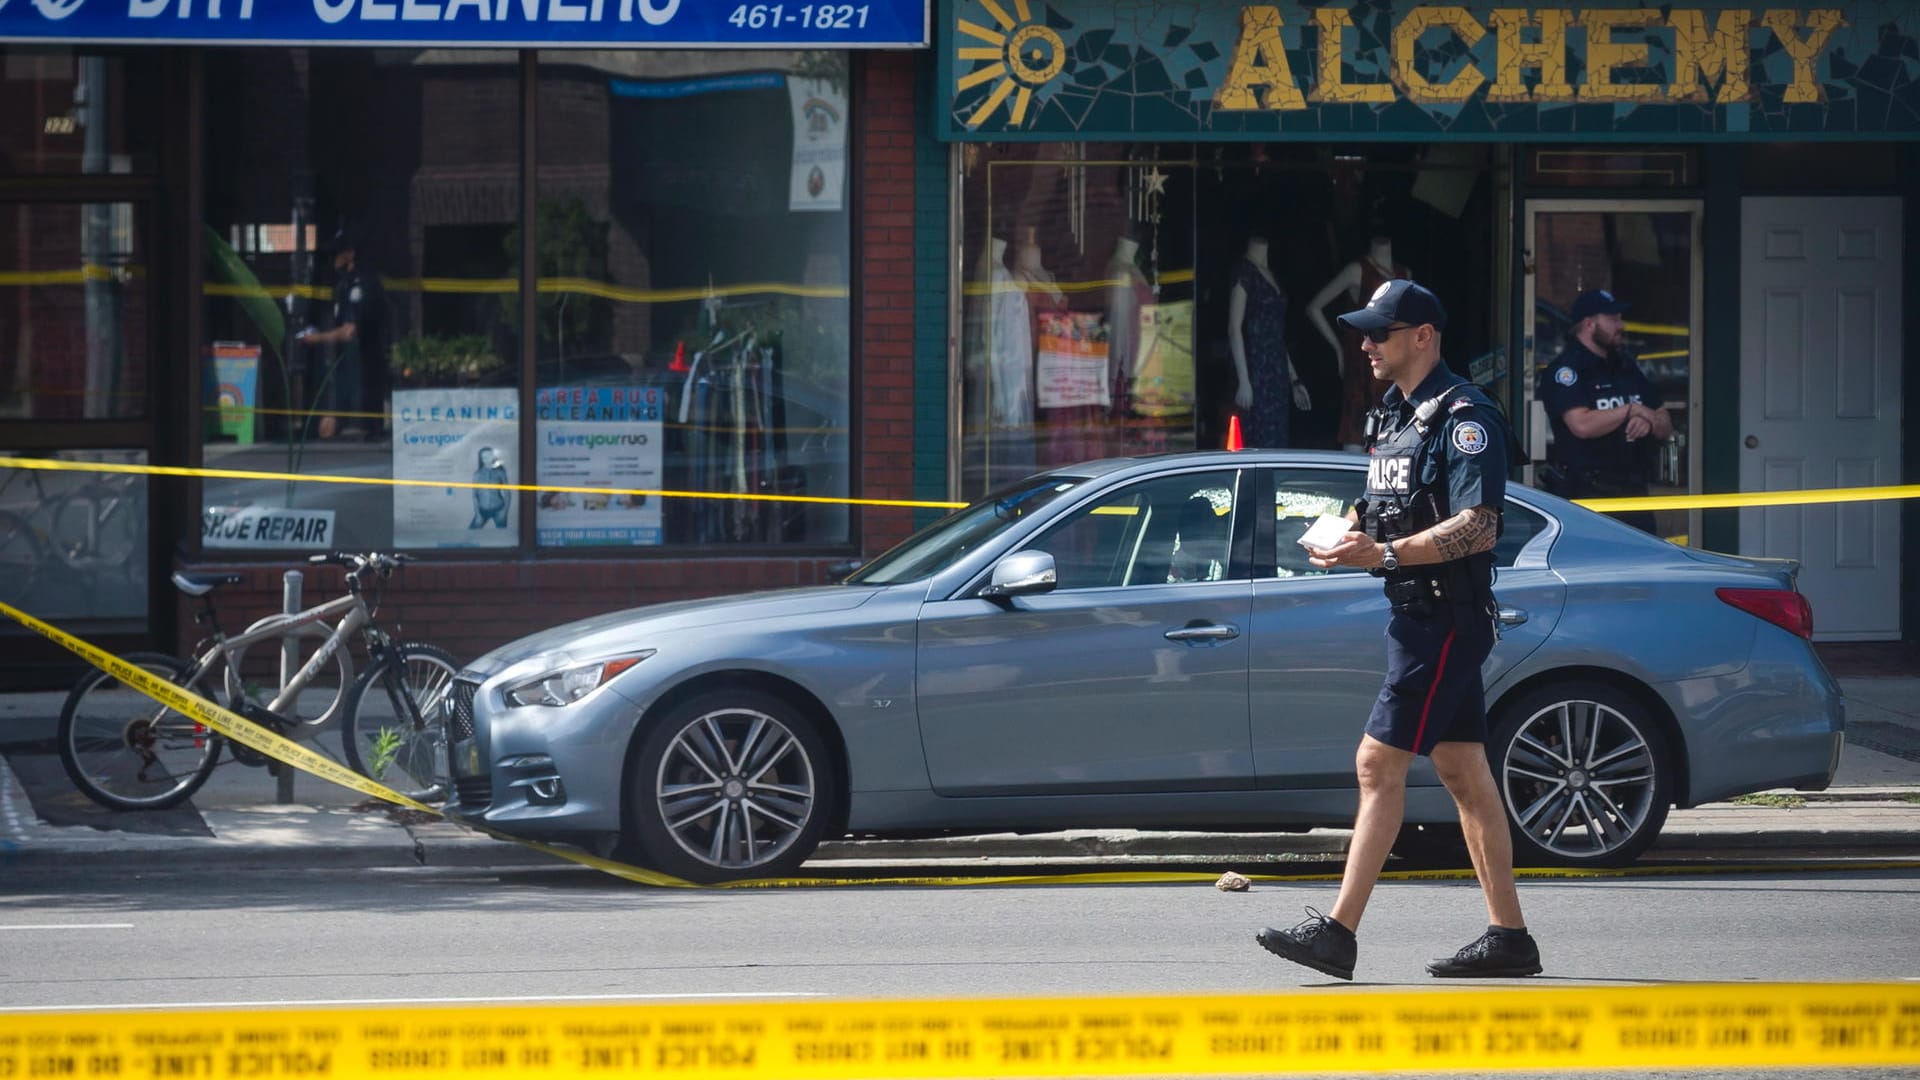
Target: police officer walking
[[1436, 480], [1604, 411]]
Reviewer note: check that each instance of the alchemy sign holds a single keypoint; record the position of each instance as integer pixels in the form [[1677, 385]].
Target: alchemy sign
[[1376, 69]]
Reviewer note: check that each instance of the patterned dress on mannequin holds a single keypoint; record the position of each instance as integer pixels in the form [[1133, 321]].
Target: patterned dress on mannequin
[[1264, 330]]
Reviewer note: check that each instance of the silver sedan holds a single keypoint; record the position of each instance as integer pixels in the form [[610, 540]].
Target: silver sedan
[[1139, 643]]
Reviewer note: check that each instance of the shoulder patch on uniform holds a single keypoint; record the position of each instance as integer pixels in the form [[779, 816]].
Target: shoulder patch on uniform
[[1566, 376], [1459, 403], [1469, 437], [353, 294]]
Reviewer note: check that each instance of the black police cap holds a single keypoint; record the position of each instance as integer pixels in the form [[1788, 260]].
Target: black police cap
[[1398, 301]]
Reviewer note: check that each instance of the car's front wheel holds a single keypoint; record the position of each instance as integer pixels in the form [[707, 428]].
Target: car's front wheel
[[1585, 773], [729, 784]]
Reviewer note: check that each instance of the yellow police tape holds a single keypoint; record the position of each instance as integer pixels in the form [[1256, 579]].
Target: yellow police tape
[[48, 465], [1656, 502], [1366, 1031]]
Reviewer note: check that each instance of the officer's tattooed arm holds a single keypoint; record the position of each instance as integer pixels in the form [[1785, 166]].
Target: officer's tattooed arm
[[1468, 532]]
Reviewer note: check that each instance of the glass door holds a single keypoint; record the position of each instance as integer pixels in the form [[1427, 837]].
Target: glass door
[[75, 364], [1647, 253]]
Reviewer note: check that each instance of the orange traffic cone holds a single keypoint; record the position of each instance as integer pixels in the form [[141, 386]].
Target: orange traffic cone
[[1234, 439]]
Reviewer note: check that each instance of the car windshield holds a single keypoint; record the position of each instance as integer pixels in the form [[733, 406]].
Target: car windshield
[[939, 544]]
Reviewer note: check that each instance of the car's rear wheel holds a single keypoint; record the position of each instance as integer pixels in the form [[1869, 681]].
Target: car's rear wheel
[[1586, 775], [730, 784]]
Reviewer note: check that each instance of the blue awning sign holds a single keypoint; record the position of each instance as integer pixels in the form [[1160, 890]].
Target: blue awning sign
[[601, 24]]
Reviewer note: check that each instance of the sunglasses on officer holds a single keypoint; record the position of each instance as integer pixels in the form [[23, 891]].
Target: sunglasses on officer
[[1380, 335]]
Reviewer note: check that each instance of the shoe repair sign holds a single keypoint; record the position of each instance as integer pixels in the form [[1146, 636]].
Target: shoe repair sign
[[265, 527]]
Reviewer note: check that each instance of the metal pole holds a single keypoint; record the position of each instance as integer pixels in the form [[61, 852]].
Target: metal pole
[[290, 588]]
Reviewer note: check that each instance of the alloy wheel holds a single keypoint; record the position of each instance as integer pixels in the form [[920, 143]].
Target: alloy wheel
[[735, 788], [1581, 779]]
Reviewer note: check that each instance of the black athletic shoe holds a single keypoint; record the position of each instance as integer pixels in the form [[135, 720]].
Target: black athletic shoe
[[1495, 954], [1319, 943]]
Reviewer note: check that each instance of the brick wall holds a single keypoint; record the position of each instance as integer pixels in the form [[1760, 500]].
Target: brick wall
[[886, 278], [472, 606]]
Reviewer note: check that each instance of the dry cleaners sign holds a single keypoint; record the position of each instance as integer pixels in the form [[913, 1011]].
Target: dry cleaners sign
[[490, 23], [1079, 69]]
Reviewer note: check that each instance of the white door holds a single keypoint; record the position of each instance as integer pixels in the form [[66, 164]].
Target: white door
[[1820, 399]]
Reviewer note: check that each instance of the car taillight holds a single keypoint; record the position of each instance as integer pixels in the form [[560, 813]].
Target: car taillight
[[1783, 608]]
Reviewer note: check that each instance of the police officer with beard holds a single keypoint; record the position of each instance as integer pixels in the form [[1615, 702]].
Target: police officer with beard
[[1604, 411], [1436, 481]]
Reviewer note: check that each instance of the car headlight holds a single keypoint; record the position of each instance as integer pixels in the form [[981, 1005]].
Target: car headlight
[[566, 685]]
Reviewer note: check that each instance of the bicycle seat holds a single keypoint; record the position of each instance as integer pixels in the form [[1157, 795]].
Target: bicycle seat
[[202, 584]]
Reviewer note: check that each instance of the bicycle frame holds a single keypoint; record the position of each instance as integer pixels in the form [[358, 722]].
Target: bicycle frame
[[356, 618]]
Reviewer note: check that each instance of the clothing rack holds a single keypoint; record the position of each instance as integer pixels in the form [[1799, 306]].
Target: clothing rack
[[731, 419]]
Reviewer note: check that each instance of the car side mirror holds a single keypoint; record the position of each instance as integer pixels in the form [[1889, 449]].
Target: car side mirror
[[838, 572], [1021, 574]]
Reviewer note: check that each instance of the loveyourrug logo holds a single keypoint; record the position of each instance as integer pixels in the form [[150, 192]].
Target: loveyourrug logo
[[1019, 56]]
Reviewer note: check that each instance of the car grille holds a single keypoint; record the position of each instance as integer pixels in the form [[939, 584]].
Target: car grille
[[461, 702], [475, 792]]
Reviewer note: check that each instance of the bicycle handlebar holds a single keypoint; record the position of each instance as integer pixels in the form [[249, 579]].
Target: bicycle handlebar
[[382, 563]]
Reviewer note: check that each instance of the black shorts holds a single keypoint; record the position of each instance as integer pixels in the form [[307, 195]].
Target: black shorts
[[1433, 691]]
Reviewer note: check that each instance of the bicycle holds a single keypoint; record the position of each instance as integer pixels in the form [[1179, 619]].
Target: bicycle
[[128, 752]]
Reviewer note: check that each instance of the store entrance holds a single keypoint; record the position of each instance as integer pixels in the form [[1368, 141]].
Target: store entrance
[[77, 321], [1336, 222]]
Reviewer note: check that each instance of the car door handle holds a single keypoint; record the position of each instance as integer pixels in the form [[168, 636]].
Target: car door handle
[[1209, 632], [1511, 616]]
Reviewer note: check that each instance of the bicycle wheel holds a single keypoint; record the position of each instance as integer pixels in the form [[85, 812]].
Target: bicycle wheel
[[378, 728], [125, 750]]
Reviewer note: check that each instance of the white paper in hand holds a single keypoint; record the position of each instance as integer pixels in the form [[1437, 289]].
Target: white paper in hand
[[1325, 532]]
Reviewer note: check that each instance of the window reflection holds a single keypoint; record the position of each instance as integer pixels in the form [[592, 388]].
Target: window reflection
[[362, 296], [693, 313], [73, 312], [75, 112]]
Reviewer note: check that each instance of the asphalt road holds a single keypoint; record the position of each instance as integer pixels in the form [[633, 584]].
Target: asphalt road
[[197, 937], [192, 937]]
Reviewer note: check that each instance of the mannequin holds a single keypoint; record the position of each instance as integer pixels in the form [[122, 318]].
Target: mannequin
[[1256, 333], [1356, 281], [1127, 293], [1032, 276], [1009, 367]]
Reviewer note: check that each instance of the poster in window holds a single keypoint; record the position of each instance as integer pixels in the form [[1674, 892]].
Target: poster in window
[[1163, 379], [608, 438], [466, 437], [1070, 360], [819, 144]]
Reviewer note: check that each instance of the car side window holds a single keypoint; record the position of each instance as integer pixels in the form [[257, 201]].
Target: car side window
[[1300, 496], [1518, 526], [1166, 530]]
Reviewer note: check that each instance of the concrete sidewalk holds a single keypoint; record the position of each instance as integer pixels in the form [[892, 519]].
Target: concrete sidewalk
[[1873, 809]]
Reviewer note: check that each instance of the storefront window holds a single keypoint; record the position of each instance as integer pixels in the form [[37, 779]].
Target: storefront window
[[694, 319], [74, 333], [73, 112], [73, 545], [362, 297], [1078, 301], [1646, 257], [1123, 299]]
